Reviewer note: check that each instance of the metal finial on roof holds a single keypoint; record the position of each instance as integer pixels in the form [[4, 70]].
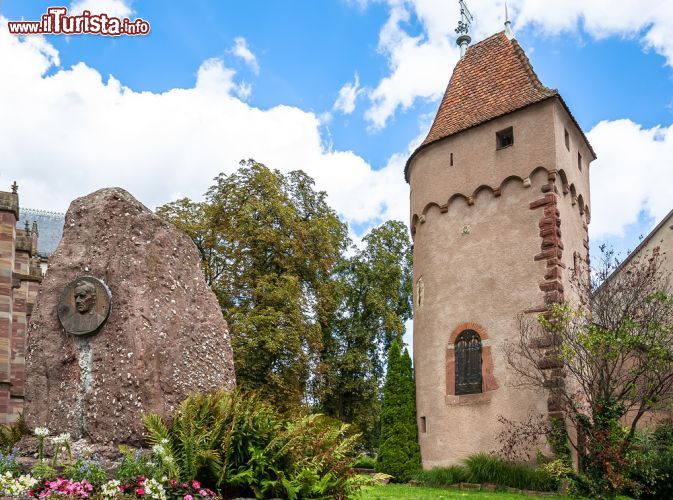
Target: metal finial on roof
[[463, 28], [508, 24], [15, 188], [34, 231]]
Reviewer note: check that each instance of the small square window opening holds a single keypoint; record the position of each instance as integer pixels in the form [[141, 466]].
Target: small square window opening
[[504, 138]]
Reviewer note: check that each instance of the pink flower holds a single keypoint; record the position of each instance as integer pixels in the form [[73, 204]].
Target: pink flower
[[188, 497], [196, 485], [140, 491], [203, 493]]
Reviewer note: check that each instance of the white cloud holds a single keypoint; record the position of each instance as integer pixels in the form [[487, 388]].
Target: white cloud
[[72, 132], [113, 8], [242, 50], [420, 65], [347, 95], [633, 172]]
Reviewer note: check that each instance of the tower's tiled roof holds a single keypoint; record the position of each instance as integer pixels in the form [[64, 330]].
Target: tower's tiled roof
[[49, 228], [494, 78]]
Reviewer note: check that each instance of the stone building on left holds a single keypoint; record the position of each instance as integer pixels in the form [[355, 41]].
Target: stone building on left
[[27, 238]]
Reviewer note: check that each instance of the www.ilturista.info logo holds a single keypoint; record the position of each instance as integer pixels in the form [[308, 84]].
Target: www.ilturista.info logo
[[57, 21]]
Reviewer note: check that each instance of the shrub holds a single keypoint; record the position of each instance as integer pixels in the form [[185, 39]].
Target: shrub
[[240, 444], [652, 463], [364, 462], [399, 454], [443, 476], [483, 468]]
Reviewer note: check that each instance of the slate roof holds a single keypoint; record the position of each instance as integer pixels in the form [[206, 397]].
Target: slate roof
[[494, 78], [49, 228]]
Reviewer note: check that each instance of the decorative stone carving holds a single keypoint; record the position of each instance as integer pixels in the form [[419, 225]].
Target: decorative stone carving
[[84, 305]]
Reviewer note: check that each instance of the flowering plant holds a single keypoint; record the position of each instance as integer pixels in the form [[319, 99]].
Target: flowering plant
[[111, 489], [16, 487], [143, 487], [90, 470], [188, 490], [41, 433], [8, 463], [164, 455], [62, 487], [61, 442]]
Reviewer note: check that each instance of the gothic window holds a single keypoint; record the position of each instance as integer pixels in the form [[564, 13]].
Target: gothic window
[[468, 363]]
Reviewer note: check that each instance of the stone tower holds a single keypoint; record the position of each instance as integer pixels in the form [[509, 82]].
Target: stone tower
[[499, 214]]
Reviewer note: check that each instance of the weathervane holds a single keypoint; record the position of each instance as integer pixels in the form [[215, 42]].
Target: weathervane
[[463, 28], [508, 24]]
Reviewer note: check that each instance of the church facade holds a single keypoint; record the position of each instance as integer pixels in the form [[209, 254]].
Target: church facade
[[500, 207]]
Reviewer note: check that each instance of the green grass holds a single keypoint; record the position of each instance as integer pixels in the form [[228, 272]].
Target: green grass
[[406, 492]]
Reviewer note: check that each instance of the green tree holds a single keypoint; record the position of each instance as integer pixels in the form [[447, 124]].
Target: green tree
[[399, 453], [608, 364], [311, 319], [269, 244], [373, 289]]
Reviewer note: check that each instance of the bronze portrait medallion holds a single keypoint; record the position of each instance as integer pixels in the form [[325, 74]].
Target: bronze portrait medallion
[[84, 305]]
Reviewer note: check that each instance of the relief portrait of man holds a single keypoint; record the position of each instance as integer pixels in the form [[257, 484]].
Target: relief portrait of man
[[86, 316]]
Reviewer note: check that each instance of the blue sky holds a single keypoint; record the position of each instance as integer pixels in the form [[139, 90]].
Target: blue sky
[[217, 81]]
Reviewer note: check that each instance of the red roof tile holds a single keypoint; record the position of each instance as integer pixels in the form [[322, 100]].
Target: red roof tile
[[493, 79]]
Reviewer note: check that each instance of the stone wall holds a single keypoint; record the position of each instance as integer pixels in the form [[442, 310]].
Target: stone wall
[[20, 277]]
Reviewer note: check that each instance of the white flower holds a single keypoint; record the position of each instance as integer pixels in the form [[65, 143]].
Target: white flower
[[163, 441], [41, 431], [158, 450], [61, 438], [110, 489], [10, 486], [153, 489]]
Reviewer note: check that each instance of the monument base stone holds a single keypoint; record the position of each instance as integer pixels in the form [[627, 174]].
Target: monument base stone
[[163, 338]]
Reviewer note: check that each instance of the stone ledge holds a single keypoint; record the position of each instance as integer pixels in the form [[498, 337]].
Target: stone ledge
[[469, 399], [27, 277]]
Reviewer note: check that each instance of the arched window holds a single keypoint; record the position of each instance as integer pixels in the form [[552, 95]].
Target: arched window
[[468, 362]]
